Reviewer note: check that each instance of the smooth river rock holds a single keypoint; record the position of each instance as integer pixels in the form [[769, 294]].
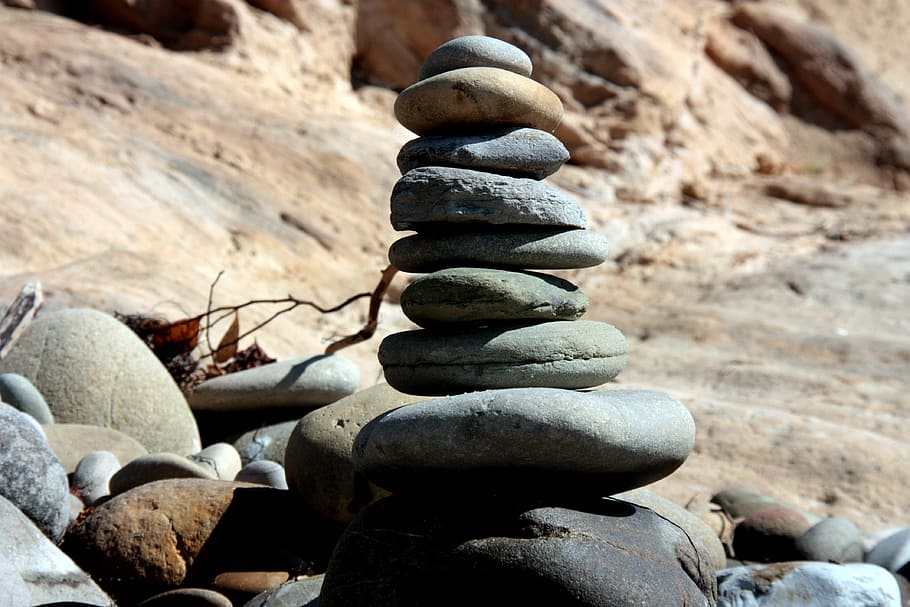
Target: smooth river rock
[[265, 443], [295, 382], [527, 440], [475, 98], [520, 152], [831, 540], [318, 458], [471, 295], [92, 369], [31, 476], [405, 551], [533, 249], [92, 476], [156, 467], [475, 51], [17, 391], [222, 458], [72, 442], [429, 196], [559, 354]]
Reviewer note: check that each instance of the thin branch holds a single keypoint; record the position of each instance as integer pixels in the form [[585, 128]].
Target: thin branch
[[208, 311], [373, 317]]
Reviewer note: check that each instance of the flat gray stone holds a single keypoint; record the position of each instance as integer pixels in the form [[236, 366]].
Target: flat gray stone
[[48, 573], [298, 593], [318, 459], [221, 458], [892, 552], [156, 467], [807, 584], [17, 391], [519, 152], [92, 369], [538, 440], [428, 196], [31, 476], [541, 249], [295, 382], [831, 540], [560, 354], [475, 51], [72, 442], [488, 553], [265, 443], [477, 295], [93, 474], [263, 472]]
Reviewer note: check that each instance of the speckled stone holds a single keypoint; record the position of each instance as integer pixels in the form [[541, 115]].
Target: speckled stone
[[17, 391], [31, 476], [95, 370], [474, 98], [527, 440], [435, 197], [475, 51], [156, 467], [541, 249], [471, 295], [520, 152], [295, 382], [561, 354]]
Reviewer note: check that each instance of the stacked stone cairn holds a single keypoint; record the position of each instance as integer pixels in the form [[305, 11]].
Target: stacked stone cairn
[[499, 488]]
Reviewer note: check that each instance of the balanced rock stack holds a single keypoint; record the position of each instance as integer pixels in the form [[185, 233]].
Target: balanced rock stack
[[498, 489]]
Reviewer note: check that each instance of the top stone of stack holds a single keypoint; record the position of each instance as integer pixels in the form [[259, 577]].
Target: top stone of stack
[[477, 81]]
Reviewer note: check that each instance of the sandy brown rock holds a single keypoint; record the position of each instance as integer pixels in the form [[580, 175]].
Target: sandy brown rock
[[192, 25]]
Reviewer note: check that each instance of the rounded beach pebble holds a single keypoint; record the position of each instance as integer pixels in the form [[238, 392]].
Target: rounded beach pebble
[[536, 440], [559, 354], [513, 151], [477, 97], [429, 196], [92, 369], [475, 51], [534, 249], [17, 391], [459, 295], [294, 382]]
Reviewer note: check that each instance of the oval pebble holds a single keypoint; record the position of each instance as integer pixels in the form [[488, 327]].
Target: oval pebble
[[431, 197], [263, 472], [544, 249], [222, 458], [72, 442], [463, 295], [156, 467], [187, 597], [559, 354], [519, 152], [93, 475], [475, 98], [475, 51], [17, 391], [831, 540]]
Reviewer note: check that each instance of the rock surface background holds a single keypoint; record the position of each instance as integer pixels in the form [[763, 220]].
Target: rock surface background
[[759, 235]]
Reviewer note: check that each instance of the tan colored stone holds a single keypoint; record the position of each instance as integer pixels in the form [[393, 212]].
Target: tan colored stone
[[72, 442], [477, 97]]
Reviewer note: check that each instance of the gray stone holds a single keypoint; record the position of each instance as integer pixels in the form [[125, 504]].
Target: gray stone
[[690, 523], [222, 458], [94, 370], [31, 476], [294, 382], [265, 443], [187, 597], [156, 467], [519, 152], [72, 442], [807, 584], [263, 472], [318, 459], [429, 196], [475, 51], [543, 249], [407, 552], [459, 295], [49, 574], [523, 440], [832, 540], [13, 591], [17, 391], [893, 553], [559, 354], [496, 98], [298, 593], [740, 502], [93, 474]]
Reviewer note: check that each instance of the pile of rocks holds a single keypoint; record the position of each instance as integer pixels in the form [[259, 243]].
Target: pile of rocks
[[499, 487]]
